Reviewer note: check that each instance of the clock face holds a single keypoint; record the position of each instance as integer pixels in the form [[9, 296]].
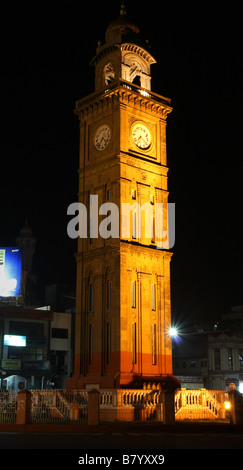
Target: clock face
[[141, 136], [102, 137]]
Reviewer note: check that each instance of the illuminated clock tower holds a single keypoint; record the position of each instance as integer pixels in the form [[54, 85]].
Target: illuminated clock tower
[[123, 310]]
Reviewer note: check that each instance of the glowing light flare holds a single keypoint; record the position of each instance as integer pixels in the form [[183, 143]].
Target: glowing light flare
[[145, 93], [173, 332], [227, 405]]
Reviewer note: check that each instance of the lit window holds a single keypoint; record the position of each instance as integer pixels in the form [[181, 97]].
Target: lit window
[[109, 74], [134, 344], [217, 359], [90, 344], [153, 297], [152, 224], [241, 358], [91, 297], [230, 359], [133, 293], [108, 235], [59, 333], [108, 294], [154, 344], [108, 342], [134, 225]]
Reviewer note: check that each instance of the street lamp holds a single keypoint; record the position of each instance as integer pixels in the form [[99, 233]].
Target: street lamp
[[173, 332]]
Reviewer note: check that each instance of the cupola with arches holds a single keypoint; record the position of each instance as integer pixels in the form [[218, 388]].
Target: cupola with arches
[[123, 55]]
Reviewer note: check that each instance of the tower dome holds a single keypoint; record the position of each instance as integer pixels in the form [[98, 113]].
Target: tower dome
[[123, 56], [27, 242], [123, 29]]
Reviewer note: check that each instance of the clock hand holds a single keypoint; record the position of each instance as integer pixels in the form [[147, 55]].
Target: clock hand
[[143, 140]]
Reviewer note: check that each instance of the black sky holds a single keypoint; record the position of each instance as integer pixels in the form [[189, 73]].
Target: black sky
[[45, 55]]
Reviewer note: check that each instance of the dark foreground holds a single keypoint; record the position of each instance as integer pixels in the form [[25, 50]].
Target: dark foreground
[[122, 436], [113, 447], [121, 440]]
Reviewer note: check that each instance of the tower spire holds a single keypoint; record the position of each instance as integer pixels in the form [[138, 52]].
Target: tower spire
[[123, 9]]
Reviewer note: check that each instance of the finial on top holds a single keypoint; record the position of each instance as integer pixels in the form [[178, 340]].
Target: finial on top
[[123, 9]]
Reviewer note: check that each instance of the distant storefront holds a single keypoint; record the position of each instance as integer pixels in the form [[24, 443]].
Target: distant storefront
[[35, 348]]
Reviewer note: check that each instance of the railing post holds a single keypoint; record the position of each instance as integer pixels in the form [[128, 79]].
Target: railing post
[[93, 406], [74, 411], [168, 400], [24, 407], [159, 408], [54, 398], [236, 409], [168, 387], [183, 397], [203, 396]]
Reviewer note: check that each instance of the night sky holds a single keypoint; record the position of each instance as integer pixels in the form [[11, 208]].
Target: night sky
[[45, 55]]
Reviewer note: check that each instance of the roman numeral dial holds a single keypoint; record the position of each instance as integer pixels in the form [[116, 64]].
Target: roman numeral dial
[[102, 137], [141, 136]]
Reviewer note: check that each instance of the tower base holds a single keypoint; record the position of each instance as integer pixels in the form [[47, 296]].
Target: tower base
[[136, 382]]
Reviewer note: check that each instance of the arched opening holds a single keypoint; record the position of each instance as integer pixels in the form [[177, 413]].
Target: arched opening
[[137, 80], [109, 74]]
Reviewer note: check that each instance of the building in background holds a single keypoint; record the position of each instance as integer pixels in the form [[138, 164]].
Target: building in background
[[214, 358], [190, 359], [61, 297], [35, 348], [28, 361], [61, 349], [225, 351], [44, 357]]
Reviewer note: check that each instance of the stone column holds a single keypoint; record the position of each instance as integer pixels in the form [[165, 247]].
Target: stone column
[[169, 385], [24, 407], [93, 407], [74, 411], [168, 400], [236, 410]]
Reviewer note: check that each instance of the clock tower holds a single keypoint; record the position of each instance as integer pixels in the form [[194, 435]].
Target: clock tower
[[123, 309]]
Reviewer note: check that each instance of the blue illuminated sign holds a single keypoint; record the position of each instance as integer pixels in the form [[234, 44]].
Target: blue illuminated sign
[[10, 271]]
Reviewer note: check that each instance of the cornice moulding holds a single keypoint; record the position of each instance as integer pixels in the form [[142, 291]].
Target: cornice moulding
[[123, 92]]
